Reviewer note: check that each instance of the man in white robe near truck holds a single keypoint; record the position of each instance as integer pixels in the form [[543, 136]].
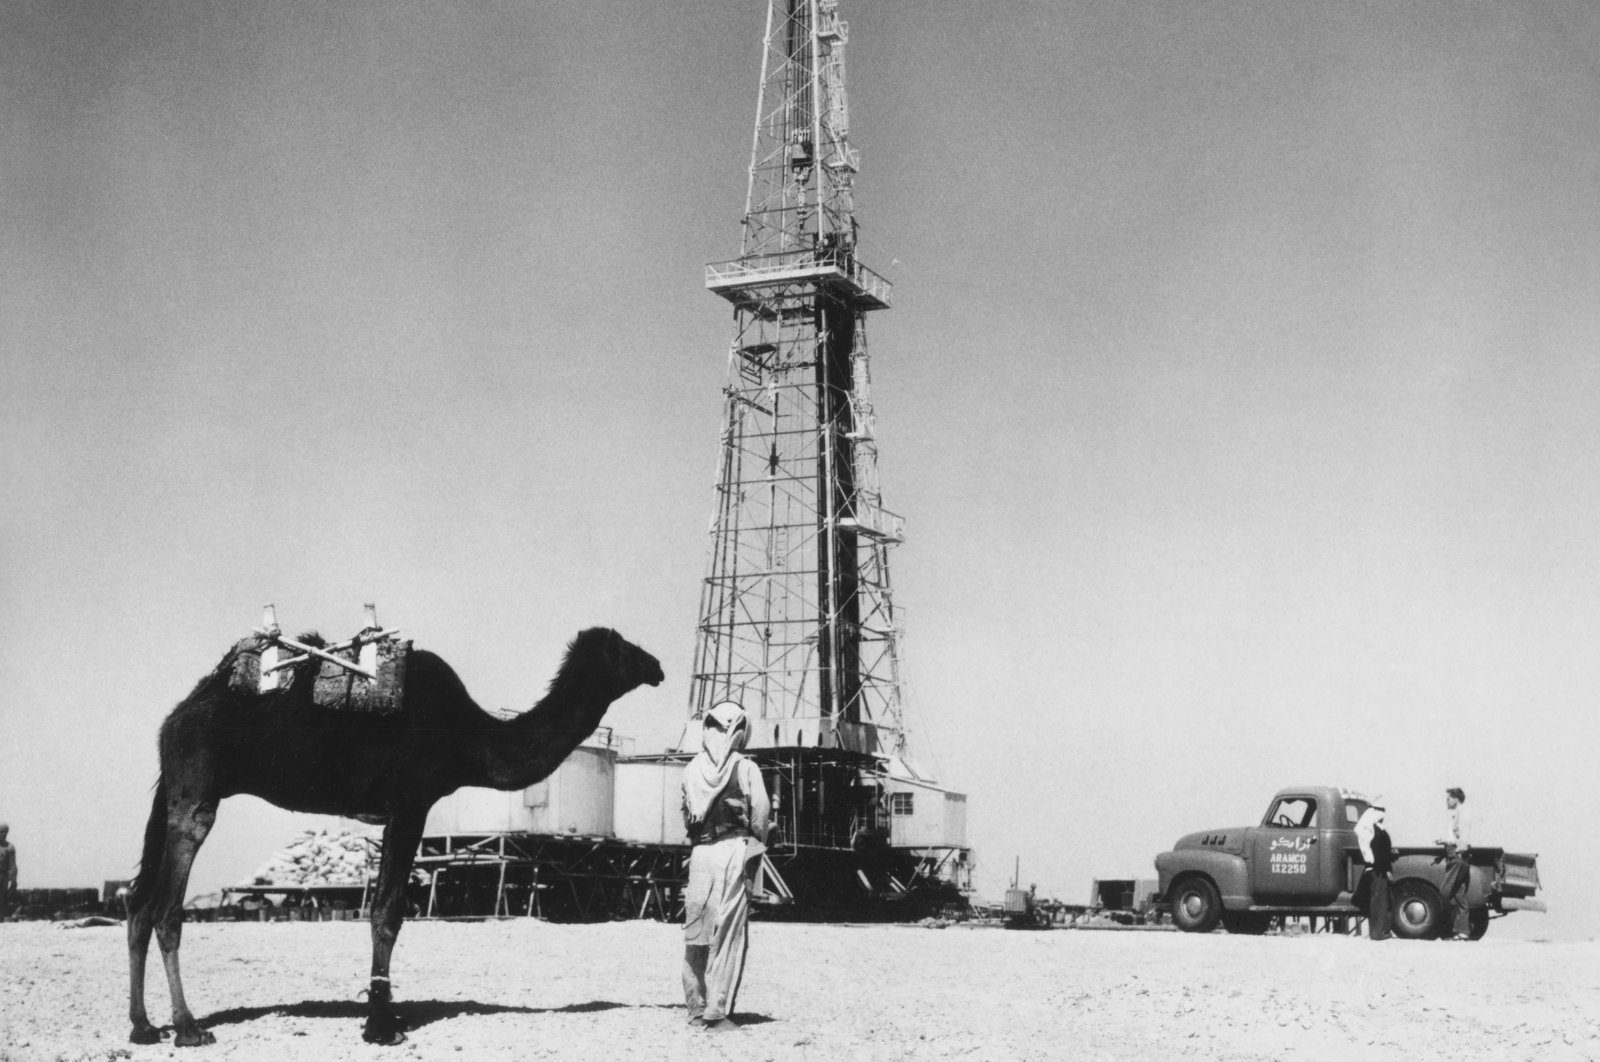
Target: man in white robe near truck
[[1377, 850], [725, 811]]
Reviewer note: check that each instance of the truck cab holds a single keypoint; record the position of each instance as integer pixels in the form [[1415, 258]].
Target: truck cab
[[1297, 855]]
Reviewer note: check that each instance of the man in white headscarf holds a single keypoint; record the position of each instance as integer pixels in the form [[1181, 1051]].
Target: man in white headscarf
[[1377, 850], [725, 810]]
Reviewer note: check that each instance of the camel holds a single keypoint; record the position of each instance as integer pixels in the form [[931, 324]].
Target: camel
[[281, 747]]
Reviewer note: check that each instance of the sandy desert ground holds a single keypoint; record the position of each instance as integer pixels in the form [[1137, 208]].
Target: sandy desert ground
[[528, 990]]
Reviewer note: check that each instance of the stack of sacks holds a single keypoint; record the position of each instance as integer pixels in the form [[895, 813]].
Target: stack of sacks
[[321, 857]]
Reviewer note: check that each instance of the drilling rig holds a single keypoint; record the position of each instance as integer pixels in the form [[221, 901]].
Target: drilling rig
[[798, 622]]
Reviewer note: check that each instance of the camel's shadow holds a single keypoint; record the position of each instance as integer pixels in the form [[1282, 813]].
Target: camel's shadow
[[416, 1014]]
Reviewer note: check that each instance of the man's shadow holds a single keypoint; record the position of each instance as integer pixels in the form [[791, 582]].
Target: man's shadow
[[417, 1014]]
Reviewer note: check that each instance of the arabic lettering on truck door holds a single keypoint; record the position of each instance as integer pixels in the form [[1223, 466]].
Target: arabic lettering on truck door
[[1295, 853]]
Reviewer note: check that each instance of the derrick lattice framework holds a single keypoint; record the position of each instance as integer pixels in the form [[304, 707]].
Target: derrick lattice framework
[[797, 621]]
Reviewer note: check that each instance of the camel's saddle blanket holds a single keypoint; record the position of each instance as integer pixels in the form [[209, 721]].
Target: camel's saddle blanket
[[367, 673]]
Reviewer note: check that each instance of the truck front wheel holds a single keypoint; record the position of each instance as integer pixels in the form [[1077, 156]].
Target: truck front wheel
[[1196, 907], [1418, 911]]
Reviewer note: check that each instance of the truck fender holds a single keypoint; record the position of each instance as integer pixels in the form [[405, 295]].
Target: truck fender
[[1227, 872], [1430, 867], [1422, 867]]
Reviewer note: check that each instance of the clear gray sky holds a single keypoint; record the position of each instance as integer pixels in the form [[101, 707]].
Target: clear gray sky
[[1241, 390]]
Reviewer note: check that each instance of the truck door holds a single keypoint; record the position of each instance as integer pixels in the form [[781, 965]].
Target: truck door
[[1294, 857]]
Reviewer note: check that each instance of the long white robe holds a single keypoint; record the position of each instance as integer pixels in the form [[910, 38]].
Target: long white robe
[[716, 909]]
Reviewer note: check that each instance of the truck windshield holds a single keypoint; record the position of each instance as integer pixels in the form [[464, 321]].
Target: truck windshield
[[1294, 812]]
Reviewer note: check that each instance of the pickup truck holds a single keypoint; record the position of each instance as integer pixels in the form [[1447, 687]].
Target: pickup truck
[[1303, 859]]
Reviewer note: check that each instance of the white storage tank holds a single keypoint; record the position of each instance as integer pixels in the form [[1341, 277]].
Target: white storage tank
[[649, 800], [576, 799]]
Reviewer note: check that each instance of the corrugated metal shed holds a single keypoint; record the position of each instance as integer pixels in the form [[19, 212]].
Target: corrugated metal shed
[[648, 806], [925, 816]]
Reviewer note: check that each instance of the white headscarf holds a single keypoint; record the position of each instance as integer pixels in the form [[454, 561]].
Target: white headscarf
[[723, 732]]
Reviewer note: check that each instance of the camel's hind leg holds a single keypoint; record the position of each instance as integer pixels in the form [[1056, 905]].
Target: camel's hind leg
[[139, 917], [188, 823]]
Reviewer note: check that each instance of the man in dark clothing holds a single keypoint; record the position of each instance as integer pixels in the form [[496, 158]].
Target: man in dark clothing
[[8, 872], [1378, 852], [1457, 871]]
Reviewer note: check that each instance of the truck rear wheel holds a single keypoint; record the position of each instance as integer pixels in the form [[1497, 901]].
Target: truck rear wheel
[[1196, 907], [1478, 922], [1418, 911]]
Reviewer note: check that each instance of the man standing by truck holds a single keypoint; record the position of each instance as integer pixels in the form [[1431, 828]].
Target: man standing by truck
[[1378, 852], [1457, 873], [8, 871]]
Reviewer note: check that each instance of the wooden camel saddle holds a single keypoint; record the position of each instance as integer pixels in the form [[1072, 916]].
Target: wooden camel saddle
[[364, 673]]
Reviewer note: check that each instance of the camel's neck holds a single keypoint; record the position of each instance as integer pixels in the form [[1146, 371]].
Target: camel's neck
[[516, 753]]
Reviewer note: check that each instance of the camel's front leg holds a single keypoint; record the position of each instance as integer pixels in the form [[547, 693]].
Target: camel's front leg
[[400, 839]]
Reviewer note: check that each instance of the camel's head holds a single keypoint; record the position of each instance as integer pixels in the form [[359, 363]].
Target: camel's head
[[617, 658]]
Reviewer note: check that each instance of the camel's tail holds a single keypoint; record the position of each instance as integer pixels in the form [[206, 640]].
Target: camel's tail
[[155, 842]]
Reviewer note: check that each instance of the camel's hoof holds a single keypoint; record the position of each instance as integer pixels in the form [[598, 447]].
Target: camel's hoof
[[393, 1038], [145, 1034], [193, 1036], [386, 1031]]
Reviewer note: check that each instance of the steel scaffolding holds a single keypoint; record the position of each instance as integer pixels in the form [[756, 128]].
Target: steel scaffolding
[[797, 618]]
